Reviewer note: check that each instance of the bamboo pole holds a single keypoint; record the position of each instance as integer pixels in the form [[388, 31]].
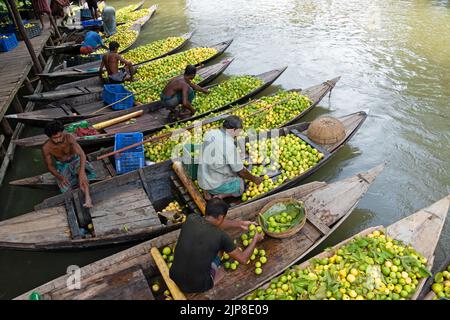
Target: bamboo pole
[[114, 121], [19, 23], [189, 185], [177, 294]]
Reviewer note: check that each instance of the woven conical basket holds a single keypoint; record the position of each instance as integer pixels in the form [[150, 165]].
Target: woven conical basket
[[326, 130]]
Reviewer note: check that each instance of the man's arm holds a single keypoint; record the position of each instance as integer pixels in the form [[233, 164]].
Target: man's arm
[[197, 87], [233, 224], [125, 62], [186, 102], [245, 174], [49, 162], [243, 256]]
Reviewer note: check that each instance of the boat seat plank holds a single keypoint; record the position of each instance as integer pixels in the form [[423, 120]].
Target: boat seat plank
[[323, 228], [128, 284], [87, 108], [132, 209], [44, 225]]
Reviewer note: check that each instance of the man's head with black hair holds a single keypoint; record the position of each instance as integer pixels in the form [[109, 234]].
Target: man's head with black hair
[[233, 125], [190, 71], [55, 131], [216, 209], [114, 46]]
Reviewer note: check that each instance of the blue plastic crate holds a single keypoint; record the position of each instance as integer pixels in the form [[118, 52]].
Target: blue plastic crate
[[88, 23], [131, 159], [115, 92], [9, 43]]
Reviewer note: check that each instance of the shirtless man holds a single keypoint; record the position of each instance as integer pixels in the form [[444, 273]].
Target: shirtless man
[[111, 62], [71, 167], [180, 90]]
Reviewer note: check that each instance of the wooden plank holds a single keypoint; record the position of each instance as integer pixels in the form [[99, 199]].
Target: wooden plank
[[144, 182], [17, 105], [127, 284], [311, 143], [72, 220], [109, 167], [323, 228]]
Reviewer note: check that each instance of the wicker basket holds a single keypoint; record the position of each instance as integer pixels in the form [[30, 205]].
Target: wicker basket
[[290, 232], [326, 130]]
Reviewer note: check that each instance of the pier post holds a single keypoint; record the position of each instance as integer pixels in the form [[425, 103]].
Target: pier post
[[19, 23]]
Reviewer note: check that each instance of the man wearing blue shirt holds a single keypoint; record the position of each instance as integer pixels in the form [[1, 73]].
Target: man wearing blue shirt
[[92, 41]]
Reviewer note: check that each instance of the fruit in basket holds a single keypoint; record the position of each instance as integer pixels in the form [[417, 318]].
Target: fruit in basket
[[153, 49], [352, 272]]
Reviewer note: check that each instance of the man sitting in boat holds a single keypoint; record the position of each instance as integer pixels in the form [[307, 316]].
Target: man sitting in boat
[[92, 41], [71, 168], [181, 91], [111, 62], [221, 172], [201, 243], [109, 21]]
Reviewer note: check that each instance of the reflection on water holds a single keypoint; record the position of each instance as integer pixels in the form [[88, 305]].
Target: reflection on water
[[394, 60]]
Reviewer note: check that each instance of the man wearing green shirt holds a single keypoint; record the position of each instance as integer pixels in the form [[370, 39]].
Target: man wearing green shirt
[[221, 172]]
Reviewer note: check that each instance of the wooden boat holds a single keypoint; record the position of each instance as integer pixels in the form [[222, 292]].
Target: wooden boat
[[421, 230], [91, 69], [85, 87], [328, 206], [427, 293], [47, 181], [82, 106], [155, 117], [351, 122], [68, 46], [124, 211]]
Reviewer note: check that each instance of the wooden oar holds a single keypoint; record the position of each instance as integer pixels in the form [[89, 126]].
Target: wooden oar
[[189, 185], [177, 294]]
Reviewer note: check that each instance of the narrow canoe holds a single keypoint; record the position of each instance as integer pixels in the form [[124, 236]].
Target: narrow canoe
[[80, 107], [155, 117], [351, 122], [124, 211], [333, 202], [421, 230], [47, 181], [91, 69], [137, 25]]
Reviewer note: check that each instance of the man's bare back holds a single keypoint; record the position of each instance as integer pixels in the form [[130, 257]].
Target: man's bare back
[[176, 85]]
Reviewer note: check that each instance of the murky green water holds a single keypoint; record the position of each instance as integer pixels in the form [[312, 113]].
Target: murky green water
[[394, 59]]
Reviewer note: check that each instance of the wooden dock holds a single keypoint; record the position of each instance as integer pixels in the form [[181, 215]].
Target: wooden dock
[[17, 78]]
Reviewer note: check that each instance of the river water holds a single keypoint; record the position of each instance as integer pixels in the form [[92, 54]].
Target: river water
[[394, 60]]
